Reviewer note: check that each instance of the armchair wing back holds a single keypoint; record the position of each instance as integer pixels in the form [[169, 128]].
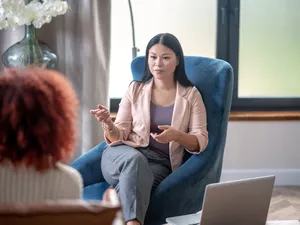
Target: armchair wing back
[[182, 191]]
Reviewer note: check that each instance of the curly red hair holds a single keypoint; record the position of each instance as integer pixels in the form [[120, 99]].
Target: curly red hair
[[38, 117]]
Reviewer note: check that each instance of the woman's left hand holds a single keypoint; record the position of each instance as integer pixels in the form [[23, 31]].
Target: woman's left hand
[[169, 134]]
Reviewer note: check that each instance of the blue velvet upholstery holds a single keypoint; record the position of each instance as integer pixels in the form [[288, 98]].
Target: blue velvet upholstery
[[182, 191]]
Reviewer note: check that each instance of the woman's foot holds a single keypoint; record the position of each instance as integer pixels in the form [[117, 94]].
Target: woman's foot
[[111, 196], [133, 222]]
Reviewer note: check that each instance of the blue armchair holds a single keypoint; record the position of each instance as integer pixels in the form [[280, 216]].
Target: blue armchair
[[183, 190]]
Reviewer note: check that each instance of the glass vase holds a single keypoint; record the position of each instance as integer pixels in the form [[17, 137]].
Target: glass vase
[[29, 52]]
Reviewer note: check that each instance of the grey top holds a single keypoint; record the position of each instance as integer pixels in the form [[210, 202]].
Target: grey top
[[160, 115]]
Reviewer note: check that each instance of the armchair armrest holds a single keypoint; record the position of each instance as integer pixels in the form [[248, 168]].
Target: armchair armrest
[[184, 187], [189, 173], [89, 165]]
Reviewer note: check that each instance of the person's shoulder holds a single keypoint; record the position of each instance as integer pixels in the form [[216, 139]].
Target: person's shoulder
[[72, 181], [71, 174], [193, 94], [137, 86], [193, 91]]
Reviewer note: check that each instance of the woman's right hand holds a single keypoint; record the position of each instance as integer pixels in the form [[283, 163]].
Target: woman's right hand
[[102, 115]]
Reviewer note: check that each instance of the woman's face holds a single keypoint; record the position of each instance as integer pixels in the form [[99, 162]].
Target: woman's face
[[162, 62]]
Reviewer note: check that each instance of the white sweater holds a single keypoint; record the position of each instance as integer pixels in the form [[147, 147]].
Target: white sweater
[[28, 185]]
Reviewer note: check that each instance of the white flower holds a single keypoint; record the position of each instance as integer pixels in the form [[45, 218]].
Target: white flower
[[15, 13]]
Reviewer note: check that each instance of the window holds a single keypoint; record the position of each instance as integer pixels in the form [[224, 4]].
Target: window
[[260, 39], [263, 48]]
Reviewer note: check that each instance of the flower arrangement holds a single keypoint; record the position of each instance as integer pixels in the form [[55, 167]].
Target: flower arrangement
[[15, 13]]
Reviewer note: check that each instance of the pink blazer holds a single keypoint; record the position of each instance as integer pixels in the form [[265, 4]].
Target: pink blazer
[[133, 118]]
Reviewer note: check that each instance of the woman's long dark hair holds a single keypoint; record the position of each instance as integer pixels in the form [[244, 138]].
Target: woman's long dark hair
[[171, 42]]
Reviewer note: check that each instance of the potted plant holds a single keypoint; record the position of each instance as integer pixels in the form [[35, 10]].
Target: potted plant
[[32, 14]]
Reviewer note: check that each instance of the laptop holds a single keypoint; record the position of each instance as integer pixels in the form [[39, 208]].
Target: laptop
[[239, 202]]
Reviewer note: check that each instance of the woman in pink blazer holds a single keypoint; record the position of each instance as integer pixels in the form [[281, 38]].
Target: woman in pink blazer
[[159, 118]]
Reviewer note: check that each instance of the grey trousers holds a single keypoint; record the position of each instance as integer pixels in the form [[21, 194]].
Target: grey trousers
[[134, 173]]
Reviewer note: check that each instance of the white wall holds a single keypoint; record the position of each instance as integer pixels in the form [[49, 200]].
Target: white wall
[[256, 148]]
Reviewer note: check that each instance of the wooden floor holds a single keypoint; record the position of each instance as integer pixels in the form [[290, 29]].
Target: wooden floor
[[285, 204]]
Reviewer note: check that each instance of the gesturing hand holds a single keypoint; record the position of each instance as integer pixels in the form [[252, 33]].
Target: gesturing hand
[[169, 134], [101, 114]]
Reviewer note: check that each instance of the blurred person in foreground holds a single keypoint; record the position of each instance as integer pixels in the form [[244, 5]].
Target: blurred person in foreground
[[38, 116]]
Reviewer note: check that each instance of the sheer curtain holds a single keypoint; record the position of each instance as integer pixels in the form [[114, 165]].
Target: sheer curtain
[[81, 39]]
